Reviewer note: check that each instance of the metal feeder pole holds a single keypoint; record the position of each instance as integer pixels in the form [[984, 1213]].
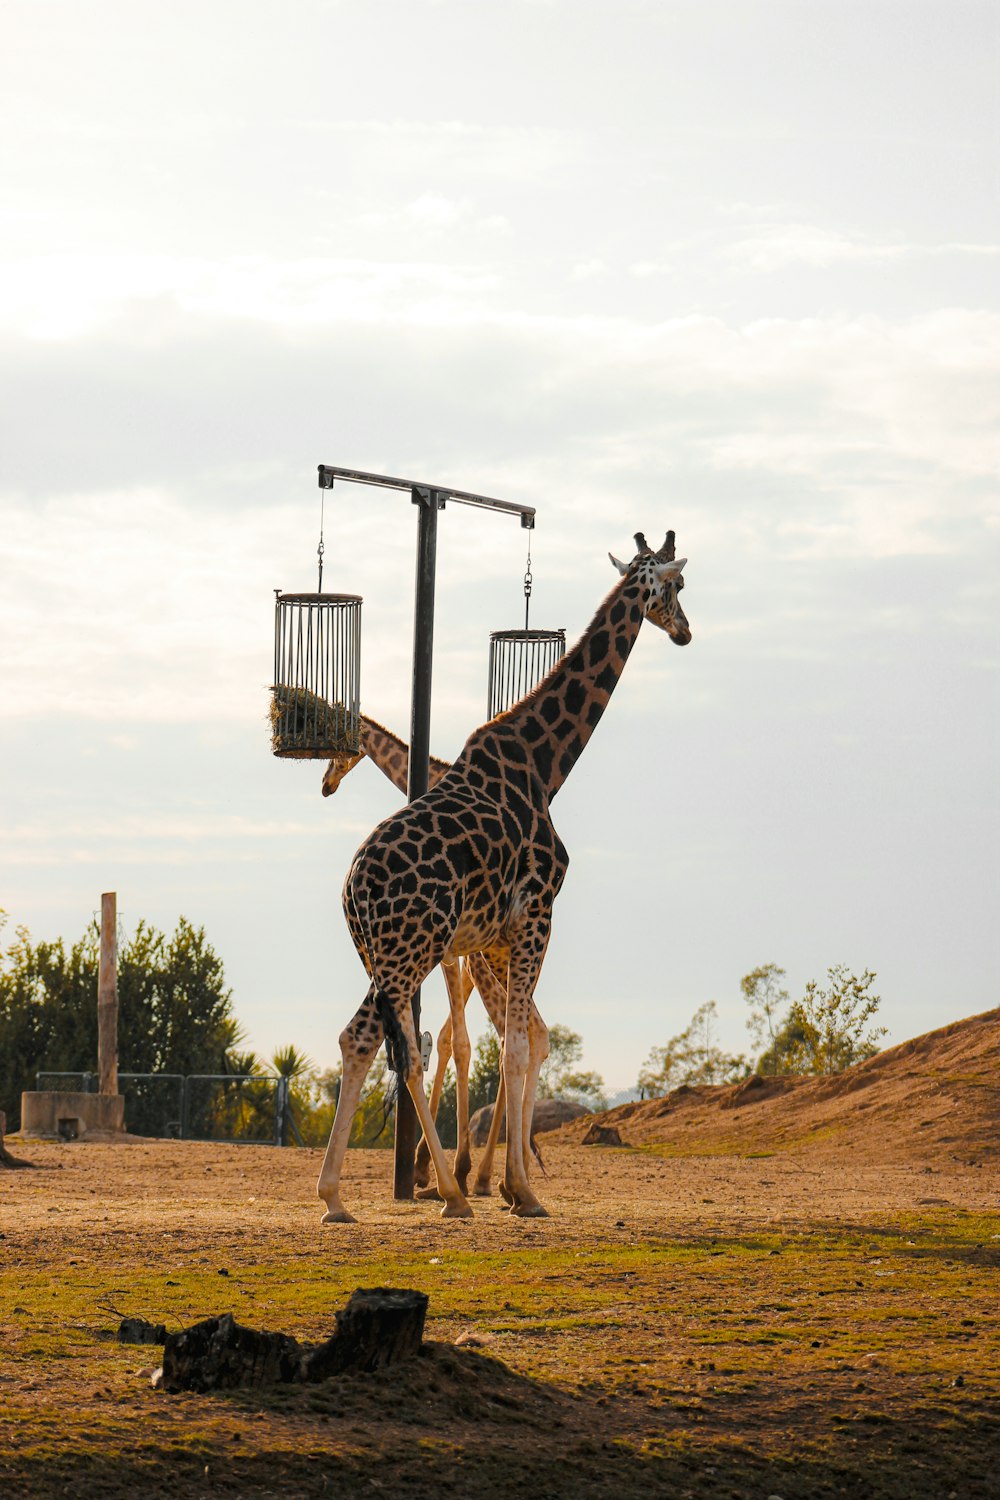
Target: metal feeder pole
[[429, 499], [418, 775]]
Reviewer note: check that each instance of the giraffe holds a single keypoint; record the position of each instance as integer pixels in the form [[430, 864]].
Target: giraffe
[[475, 865], [392, 757]]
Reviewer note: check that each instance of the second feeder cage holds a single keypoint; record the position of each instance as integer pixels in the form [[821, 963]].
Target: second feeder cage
[[519, 659], [316, 688]]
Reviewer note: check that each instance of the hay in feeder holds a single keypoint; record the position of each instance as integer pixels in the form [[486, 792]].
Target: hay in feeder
[[305, 725]]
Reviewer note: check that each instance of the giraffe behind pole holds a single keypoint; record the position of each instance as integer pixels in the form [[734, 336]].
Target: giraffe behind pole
[[391, 755]]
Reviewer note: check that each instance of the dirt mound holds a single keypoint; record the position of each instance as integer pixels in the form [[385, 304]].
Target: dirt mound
[[935, 1096]]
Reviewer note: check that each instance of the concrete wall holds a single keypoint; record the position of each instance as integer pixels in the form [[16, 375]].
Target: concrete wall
[[57, 1116]]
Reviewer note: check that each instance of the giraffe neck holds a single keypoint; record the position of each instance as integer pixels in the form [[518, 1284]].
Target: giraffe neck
[[392, 755], [555, 721]]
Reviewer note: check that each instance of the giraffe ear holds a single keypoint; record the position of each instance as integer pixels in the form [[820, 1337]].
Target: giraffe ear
[[671, 569], [622, 567]]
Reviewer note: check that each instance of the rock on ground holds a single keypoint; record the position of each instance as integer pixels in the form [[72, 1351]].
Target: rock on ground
[[549, 1115]]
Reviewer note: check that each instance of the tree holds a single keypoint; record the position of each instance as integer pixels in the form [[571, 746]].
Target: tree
[[824, 1032], [835, 1021], [484, 1071], [763, 993], [315, 1112], [561, 1079], [691, 1057], [314, 1102], [174, 1009], [175, 1013]]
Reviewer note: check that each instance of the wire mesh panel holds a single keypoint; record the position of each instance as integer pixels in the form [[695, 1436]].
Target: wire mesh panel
[[519, 659], [66, 1083], [230, 1107], [154, 1104], [315, 695]]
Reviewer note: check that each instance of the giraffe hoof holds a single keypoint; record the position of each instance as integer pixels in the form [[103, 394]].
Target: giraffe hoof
[[529, 1211], [457, 1208], [506, 1195], [427, 1193], [338, 1216], [483, 1189]]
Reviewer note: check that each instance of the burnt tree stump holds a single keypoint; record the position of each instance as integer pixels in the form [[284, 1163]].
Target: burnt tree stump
[[378, 1327], [602, 1135], [219, 1354]]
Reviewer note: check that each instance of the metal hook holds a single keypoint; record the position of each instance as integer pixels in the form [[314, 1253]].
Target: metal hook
[[321, 549]]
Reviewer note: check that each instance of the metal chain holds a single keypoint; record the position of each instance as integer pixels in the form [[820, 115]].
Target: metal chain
[[320, 549], [527, 585]]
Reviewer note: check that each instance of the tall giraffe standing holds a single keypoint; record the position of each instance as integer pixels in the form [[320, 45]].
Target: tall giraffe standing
[[392, 757], [475, 864]]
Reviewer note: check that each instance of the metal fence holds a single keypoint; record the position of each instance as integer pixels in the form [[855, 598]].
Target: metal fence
[[246, 1107]]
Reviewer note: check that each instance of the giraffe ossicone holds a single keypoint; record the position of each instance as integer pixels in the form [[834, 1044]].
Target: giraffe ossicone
[[474, 867]]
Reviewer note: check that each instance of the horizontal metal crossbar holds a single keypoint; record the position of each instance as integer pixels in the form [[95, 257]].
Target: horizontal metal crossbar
[[328, 473]]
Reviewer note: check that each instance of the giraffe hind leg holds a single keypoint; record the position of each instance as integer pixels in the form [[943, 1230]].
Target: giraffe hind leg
[[404, 1057], [359, 1042]]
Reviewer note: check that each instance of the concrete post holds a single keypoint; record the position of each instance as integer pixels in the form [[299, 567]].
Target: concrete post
[[107, 997]]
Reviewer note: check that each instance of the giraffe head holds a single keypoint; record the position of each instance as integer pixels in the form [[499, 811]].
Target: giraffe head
[[338, 769], [661, 574]]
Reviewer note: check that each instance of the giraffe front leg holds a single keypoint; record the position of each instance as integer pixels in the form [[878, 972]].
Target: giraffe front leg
[[538, 1051], [452, 1043], [490, 974], [422, 1163], [455, 1204], [463, 1059], [483, 1186], [358, 1044], [514, 1187], [526, 958]]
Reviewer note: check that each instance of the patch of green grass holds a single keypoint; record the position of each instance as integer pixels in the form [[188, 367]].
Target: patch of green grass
[[646, 1356]]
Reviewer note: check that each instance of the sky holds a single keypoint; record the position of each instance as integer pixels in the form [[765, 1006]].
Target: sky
[[724, 267]]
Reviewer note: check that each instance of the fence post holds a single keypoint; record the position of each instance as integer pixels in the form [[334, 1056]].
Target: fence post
[[107, 997], [281, 1112], [184, 1108]]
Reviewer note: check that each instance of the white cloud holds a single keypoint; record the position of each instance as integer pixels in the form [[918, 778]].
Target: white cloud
[[775, 247], [588, 270], [159, 839], [69, 296], [470, 150], [435, 214], [813, 439], [646, 268]]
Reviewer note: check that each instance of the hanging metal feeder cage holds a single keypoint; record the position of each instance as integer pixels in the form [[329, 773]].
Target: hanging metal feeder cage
[[315, 695], [519, 659]]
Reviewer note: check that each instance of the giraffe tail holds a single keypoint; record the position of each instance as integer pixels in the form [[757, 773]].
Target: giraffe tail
[[537, 1154], [388, 1104], [396, 1049]]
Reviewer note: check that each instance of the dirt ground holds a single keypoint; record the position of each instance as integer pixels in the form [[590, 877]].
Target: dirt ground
[[714, 1308]]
